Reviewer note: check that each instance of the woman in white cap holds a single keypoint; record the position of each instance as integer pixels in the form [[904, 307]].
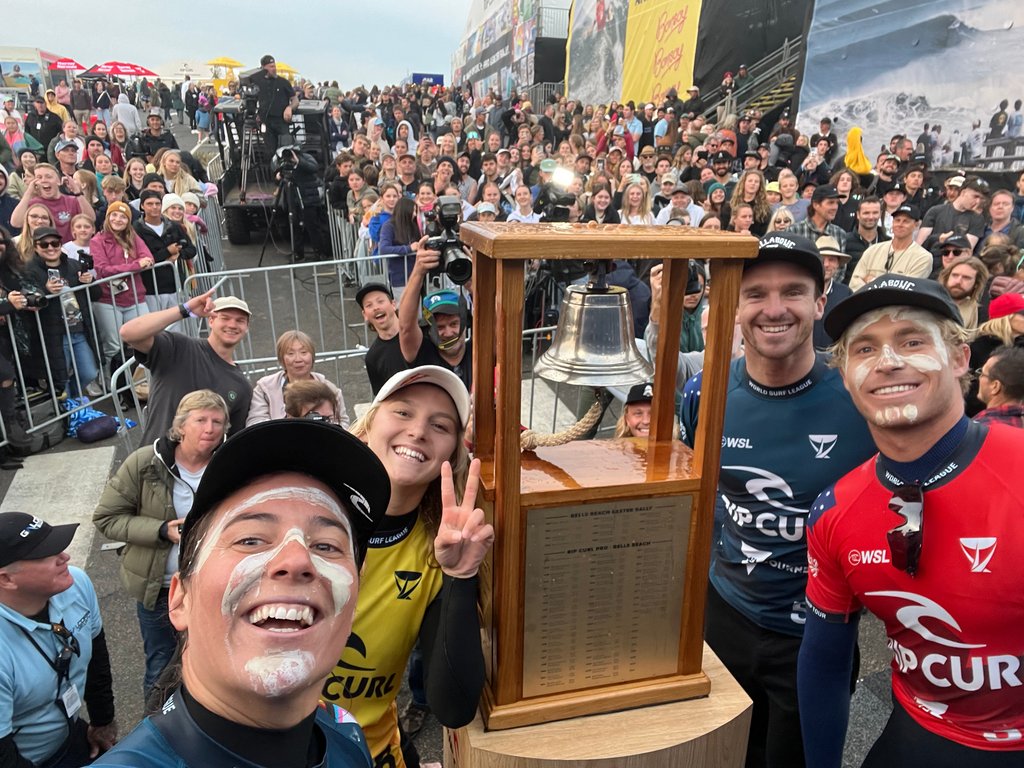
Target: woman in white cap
[[428, 547]]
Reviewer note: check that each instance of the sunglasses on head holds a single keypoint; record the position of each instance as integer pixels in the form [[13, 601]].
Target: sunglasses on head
[[69, 647], [905, 539]]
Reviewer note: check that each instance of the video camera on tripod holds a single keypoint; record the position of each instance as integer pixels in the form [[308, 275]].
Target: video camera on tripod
[[249, 93], [454, 261]]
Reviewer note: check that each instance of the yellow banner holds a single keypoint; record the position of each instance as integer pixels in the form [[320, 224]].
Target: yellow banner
[[661, 40]]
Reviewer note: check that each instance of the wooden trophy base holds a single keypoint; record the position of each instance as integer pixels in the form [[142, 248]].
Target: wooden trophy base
[[709, 732]]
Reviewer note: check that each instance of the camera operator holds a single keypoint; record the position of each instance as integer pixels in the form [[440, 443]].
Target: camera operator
[[300, 174], [274, 105]]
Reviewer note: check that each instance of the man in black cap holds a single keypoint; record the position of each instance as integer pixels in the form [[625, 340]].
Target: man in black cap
[[820, 215], [53, 652], [264, 600], [952, 249], [927, 537], [384, 357], [959, 217], [790, 430], [42, 124], [155, 137], [274, 106], [721, 166], [825, 132], [901, 255]]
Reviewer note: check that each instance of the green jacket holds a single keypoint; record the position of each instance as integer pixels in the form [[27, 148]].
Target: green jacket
[[138, 499]]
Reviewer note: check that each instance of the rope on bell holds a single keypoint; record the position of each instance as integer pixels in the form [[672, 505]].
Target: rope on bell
[[528, 440]]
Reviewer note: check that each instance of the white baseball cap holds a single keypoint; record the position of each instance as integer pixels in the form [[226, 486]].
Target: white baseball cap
[[429, 374]]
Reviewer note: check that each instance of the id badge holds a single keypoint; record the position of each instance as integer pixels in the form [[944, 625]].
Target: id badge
[[71, 700]]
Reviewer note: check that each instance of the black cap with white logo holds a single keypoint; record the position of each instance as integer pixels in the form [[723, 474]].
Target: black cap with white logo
[[640, 393], [891, 290], [27, 537], [794, 249]]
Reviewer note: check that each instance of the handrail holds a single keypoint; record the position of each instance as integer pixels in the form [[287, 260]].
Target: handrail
[[765, 74]]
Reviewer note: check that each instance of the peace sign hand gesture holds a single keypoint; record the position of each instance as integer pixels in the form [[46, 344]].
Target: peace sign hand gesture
[[463, 537]]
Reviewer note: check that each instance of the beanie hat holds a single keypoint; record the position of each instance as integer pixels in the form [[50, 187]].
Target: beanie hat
[[169, 200], [119, 207]]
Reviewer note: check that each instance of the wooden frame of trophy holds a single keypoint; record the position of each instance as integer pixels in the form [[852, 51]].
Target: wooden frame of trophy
[[592, 600]]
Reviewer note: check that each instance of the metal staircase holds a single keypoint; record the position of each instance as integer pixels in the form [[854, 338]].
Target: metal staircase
[[772, 81]]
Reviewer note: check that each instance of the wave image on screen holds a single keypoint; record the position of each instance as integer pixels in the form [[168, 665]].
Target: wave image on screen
[[596, 50]]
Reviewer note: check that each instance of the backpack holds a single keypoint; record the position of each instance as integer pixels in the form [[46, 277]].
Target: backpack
[[24, 443]]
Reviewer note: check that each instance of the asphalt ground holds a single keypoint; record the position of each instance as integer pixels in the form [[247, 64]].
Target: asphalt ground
[[66, 496]]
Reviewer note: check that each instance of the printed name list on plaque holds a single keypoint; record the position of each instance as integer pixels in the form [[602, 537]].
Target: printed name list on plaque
[[604, 586]]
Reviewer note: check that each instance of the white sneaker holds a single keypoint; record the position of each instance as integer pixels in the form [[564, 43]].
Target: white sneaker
[[94, 389]]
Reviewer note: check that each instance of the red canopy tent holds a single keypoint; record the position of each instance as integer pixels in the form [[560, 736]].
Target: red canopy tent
[[122, 68], [65, 65]]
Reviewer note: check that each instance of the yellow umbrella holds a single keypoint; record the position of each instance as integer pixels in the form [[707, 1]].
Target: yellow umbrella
[[224, 61], [286, 68]]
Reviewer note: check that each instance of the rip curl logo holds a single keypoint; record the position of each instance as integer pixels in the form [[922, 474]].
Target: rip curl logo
[[979, 552], [406, 582], [920, 608], [359, 502], [823, 445]]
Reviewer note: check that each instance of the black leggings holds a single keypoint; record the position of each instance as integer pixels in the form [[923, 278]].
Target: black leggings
[[905, 744]]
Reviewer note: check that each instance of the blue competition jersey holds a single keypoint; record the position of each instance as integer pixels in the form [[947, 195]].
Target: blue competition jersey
[[780, 448]]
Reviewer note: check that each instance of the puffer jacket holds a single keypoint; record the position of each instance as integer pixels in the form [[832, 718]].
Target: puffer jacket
[[138, 499]]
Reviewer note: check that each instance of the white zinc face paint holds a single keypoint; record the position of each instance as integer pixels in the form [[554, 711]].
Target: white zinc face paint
[[928, 361], [282, 672], [312, 496]]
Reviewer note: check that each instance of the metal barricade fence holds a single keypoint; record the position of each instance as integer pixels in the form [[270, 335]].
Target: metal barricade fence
[[303, 296], [213, 239], [72, 342]]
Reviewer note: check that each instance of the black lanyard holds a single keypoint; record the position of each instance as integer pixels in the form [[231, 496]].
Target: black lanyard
[[61, 676]]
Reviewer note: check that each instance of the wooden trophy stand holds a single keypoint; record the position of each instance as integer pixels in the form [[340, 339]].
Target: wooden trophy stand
[[592, 600]]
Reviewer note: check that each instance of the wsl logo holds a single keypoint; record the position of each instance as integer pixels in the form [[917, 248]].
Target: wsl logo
[[406, 582], [978, 552], [823, 445]]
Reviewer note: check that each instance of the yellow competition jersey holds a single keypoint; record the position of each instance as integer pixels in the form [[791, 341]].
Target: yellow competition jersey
[[396, 586]]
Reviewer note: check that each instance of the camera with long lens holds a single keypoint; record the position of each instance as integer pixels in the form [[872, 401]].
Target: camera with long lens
[[284, 161], [454, 261]]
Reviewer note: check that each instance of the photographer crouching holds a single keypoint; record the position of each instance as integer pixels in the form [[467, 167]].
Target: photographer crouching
[[302, 199], [274, 104]]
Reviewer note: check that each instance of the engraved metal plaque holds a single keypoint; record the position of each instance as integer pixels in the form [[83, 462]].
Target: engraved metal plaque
[[604, 593]]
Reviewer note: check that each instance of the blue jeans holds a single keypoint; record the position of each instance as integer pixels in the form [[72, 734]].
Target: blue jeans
[[84, 361], [159, 639]]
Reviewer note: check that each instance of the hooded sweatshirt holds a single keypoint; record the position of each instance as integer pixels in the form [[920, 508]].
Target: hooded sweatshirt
[[127, 114]]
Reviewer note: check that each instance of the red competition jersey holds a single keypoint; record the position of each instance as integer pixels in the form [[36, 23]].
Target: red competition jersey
[[956, 629]]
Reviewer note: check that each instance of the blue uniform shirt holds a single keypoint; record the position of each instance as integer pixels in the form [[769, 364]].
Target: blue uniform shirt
[[780, 448], [28, 684]]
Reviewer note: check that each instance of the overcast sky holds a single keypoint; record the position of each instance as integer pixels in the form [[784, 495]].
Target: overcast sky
[[355, 43]]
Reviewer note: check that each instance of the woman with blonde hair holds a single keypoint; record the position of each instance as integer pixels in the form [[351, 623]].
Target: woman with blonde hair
[[134, 173], [636, 201], [37, 215], [175, 174], [145, 504], [416, 426], [296, 353], [781, 220], [1004, 328]]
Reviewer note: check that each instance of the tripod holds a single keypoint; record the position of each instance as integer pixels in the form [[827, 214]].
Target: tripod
[[248, 159], [284, 186]]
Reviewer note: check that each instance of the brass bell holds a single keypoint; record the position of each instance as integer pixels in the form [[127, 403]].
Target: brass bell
[[594, 344]]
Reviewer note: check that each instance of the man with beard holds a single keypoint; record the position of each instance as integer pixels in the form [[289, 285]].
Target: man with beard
[[868, 231], [443, 341], [790, 430], [964, 280]]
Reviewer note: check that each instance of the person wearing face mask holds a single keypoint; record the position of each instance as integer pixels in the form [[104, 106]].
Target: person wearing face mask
[[296, 353], [263, 601], [144, 505]]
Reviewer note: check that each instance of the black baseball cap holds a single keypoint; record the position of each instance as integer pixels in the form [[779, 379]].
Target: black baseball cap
[[640, 393], [721, 156], [896, 187], [41, 232], [323, 451], [891, 290], [27, 537], [957, 241], [368, 288], [267, 59], [793, 249], [824, 192], [907, 210]]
